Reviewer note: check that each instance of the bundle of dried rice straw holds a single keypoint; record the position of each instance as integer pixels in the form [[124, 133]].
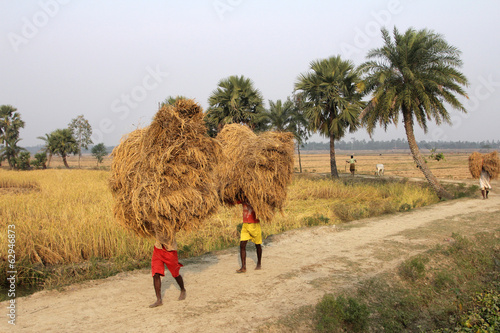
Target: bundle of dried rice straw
[[256, 168], [489, 162], [162, 176]]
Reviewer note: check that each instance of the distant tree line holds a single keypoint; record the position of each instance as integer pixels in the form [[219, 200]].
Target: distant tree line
[[402, 144]]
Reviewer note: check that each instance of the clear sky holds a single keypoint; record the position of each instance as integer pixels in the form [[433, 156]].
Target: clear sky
[[113, 61]]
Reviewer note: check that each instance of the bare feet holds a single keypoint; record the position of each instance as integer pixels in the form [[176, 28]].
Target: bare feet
[[241, 270], [258, 268], [155, 304], [182, 296]]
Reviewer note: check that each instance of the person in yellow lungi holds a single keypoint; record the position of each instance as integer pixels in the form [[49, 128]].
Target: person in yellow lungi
[[250, 231]]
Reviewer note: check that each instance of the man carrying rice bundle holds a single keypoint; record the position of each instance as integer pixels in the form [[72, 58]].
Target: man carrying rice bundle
[[162, 182], [484, 183], [165, 254], [250, 231], [484, 167]]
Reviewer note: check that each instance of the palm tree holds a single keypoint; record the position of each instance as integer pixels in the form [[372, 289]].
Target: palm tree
[[287, 116], [235, 101], [64, 144], [299, 124], [413, 76], [333, 101], [49, 146], [280, 114], [10, 151], [171, 100], [10, 125]]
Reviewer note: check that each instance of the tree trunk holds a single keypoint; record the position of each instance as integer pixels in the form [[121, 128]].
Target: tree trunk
[[433, 181], [50, 158], [300, 162], [64, 161], [333, 163]]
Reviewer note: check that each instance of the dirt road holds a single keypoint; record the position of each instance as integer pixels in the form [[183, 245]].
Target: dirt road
[[299, 267]]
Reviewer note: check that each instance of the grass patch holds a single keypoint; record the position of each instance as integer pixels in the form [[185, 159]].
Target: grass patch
[[452, 289]]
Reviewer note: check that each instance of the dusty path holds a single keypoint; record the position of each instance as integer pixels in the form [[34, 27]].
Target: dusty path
[[298, 268]]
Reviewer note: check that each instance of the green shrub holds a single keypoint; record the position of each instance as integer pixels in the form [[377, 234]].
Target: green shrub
[[316, 220], [338, 314], [413, 269]]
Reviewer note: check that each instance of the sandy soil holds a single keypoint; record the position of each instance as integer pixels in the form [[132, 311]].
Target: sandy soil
[[299, 267]]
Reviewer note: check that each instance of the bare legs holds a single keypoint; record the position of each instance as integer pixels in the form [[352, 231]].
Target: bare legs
[[157, 286], [243, 256], [485, 193], [180, 282]]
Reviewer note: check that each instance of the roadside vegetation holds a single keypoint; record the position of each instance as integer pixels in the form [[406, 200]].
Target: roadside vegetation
[[452, 288], [63, 220]]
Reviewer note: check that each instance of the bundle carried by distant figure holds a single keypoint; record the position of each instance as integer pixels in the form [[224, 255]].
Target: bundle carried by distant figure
[[489, 162], [162, 175], [256, 168]]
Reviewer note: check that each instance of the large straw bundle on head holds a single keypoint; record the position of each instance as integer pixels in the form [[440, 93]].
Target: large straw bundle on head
[[162, 176], [489, 162], [257, 169], [475, 164]]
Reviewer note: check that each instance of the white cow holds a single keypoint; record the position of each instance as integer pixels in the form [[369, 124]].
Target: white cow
[[380, 170]]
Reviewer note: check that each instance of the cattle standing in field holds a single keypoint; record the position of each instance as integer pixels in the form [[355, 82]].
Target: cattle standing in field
[[380, 170]]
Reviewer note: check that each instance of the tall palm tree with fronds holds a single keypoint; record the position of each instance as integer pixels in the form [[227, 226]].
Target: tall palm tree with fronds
[[49, 146], [10, 125], [333, 100], [288, 116], [280, 115], [413, 76], [235, 100]]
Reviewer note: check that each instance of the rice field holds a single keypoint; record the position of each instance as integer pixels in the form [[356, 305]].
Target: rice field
[[401, 164], [65, 230]]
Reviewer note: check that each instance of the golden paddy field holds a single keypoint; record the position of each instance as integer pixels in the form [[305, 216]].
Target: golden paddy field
[[66, 232]]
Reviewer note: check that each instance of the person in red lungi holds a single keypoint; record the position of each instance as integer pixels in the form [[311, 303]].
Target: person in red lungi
[[165, 253]]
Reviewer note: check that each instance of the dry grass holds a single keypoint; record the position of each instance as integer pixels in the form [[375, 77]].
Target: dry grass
[[489, 162], [161, 176], [256, 168], [69, 220], [67, 217]]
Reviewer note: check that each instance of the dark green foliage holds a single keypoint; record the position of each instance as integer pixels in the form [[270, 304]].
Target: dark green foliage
[[99, 151], [235, 101], [10, 125], [413, 269], [337, 314], [40, 160], [316, 220], [22, 162]]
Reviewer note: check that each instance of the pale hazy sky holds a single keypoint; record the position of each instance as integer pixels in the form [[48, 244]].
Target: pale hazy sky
[[113, 61]]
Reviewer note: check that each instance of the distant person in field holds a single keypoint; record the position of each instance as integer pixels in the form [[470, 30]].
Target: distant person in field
[[250, 231], [165, 253], [484, 183], [352, 165]]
